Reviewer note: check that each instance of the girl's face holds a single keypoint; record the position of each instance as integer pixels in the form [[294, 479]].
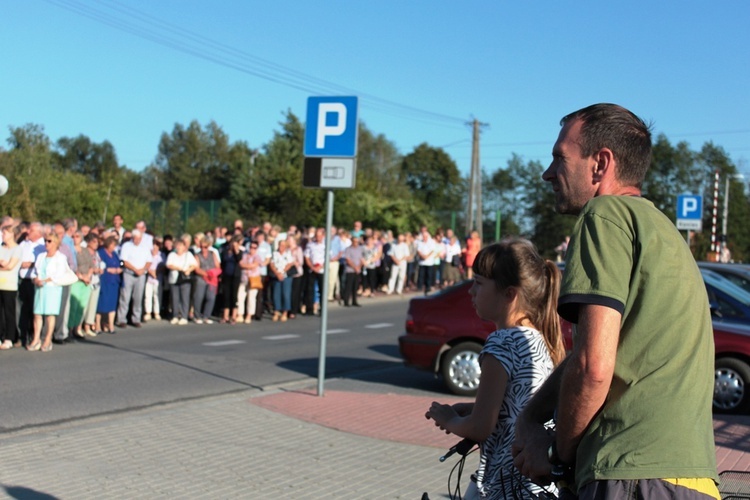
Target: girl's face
[[490, 303]]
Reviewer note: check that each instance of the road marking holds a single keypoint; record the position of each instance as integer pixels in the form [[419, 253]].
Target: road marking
[[220, 343], [335, 331], [283, 336], [378, 325]]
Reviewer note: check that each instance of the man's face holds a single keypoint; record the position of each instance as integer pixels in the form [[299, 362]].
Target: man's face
[[570, 175], [117, 221], [35, 232], [320, 235], [141, 226]]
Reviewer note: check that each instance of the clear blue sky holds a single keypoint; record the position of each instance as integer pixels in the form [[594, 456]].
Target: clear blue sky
[[517, 66]]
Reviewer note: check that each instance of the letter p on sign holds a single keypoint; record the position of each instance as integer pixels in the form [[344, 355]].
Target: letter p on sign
[[325, 109], [331, 127]]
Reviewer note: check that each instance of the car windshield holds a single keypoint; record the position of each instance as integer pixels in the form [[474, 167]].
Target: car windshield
[[726, 286]]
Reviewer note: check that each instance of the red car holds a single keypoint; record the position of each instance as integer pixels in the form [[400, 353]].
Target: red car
[[444, 335]]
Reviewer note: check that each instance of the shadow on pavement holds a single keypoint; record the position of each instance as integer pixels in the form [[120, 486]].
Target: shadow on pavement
[[369, 375], [23, 493]]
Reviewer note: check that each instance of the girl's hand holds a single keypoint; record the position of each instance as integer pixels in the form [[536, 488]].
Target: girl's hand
[[441, 414]]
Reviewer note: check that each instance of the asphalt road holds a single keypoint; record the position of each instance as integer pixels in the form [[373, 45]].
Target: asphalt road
[[161, 363]]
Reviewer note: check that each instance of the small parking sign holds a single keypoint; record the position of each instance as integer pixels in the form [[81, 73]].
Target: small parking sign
[[690, 212], [331, 128]]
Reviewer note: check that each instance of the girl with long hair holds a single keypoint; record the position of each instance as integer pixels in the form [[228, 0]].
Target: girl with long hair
[[517, 290]]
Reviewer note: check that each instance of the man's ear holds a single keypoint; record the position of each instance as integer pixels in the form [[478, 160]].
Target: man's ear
[[604, 164]]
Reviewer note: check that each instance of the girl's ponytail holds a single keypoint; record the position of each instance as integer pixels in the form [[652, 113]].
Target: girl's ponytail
[[550, 321]]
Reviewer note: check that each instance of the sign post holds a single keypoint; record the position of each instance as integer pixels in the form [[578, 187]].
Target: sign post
[[690, 213], [330, 162]]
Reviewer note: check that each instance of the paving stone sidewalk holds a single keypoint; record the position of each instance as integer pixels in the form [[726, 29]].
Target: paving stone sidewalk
[[348, 444]]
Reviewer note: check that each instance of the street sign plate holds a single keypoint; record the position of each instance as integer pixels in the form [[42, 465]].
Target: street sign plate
[[690, 224], [331, 128], [329, 173]]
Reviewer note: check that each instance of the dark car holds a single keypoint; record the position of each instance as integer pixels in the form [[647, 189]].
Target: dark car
[[739, 274], [444, 335], [729, 302]]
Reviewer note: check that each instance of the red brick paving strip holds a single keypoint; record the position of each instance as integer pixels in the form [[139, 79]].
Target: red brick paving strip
[[400, 418], [391, 417]]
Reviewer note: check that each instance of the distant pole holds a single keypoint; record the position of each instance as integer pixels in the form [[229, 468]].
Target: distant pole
[[714, 243], [725, 214], [475, 183], [497, 225], [478, 178]]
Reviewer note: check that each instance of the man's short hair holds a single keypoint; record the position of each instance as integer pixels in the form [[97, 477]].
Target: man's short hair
[[625, 134]]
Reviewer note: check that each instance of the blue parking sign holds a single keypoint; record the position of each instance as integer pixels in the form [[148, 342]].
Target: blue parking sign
[[689, 206], [331, 128]]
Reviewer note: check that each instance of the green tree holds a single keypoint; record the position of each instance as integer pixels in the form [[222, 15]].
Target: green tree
[[278, 194], [194, 163], [433, 178], [673, 171], [712, 159], [97, 162]]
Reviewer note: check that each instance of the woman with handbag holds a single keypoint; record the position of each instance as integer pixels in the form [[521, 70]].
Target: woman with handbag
[[49, 275], [250, 285], [281, 262], [231, 275], [206, 282], [81, 289], [181, 265], [89, 311], [296, 273]]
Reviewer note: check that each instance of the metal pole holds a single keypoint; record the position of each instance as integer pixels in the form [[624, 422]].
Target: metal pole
[[497, 225], [324, 298], [714, 243], [725, 216]]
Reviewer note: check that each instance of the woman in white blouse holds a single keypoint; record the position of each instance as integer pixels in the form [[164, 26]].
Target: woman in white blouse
[[281, 261], [50, 273], [181, 265]]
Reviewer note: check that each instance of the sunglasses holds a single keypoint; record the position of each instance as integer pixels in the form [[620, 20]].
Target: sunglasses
[[48, 241]]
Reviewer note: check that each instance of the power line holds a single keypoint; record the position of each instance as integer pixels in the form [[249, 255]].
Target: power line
[[153, 29]]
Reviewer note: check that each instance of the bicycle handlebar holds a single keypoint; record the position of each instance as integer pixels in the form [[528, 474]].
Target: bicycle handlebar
[[463, 447]]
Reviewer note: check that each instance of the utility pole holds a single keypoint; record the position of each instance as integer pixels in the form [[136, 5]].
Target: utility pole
[[475, 183]]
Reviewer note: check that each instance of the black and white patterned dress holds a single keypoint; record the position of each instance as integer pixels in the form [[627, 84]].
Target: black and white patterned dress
[[525, 357]]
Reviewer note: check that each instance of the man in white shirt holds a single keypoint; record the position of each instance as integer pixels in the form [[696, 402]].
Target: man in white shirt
[[426, 252], [315, 255], [337, 252], [136, 260], [399, 252], [118, 228]]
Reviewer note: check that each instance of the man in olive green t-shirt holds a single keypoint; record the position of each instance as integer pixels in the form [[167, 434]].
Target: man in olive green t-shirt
[[633, 399]]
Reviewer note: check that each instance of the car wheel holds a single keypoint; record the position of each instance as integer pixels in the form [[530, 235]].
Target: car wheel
[[731, 386], [461, 369]]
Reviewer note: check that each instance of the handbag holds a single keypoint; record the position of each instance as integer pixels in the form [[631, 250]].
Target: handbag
[[456, 261], [256, 283], [67, 279], [292, 272]]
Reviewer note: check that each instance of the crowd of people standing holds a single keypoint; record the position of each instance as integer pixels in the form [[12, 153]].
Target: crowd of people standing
[[61, 282]]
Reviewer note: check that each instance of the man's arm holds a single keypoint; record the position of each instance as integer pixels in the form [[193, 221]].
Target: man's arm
[[587, 376], [532, 438]]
